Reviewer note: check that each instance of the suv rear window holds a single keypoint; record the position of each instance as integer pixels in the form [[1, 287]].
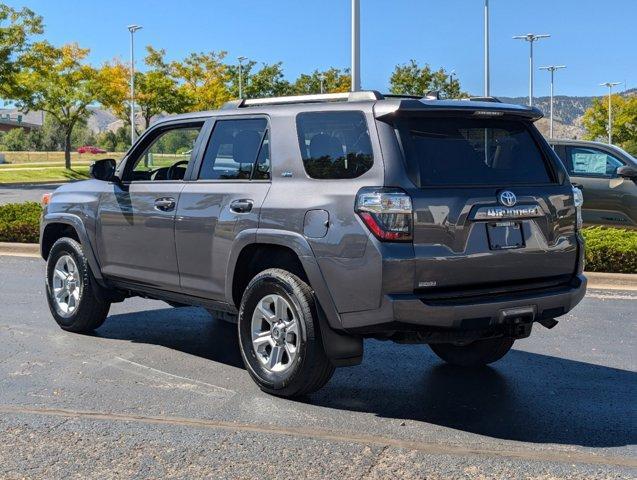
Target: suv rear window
[[334, 144], [471, 151]]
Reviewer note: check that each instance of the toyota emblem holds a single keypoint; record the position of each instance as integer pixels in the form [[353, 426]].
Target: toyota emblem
[[507, 198]]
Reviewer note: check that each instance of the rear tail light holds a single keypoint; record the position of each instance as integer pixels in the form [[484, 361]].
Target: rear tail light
[[578, 200], [387, 212]]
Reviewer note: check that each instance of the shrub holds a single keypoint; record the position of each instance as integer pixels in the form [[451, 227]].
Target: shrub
[[610, 250], [20, 222]]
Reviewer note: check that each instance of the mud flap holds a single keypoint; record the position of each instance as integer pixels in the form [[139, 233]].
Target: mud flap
[[343, 350]]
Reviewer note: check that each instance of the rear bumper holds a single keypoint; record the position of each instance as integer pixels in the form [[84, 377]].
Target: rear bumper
[[465, 314]]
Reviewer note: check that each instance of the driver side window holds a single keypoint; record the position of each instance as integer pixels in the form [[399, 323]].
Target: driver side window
[[167, 156]]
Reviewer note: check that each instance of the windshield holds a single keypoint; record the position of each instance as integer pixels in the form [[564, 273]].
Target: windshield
[[471, 151]]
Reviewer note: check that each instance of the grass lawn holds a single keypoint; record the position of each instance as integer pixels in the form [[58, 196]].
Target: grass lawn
[[41, 174]]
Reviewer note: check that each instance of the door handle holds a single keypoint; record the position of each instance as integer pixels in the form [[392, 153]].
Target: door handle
[[241, 206], [165, 204]]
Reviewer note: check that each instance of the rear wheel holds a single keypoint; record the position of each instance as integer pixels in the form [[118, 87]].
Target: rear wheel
[[279, 335], [76, 302], [478, 353]]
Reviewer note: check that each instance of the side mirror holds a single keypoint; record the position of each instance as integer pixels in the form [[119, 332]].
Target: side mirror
[[103, 170], [627, 171]]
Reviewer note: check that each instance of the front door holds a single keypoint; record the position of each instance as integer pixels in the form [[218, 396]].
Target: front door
[[607, 197], [136, 219], [224, 199]]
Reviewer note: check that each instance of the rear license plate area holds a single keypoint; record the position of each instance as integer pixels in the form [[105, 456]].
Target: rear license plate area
[[505, 235]]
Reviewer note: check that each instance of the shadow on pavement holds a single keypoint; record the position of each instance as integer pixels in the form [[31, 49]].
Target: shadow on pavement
[[188, 329], [526, 397]]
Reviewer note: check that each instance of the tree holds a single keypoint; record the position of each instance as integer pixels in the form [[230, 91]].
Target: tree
[[412, 79], [57, 81], [334, 80], [203, 80], [268, 81], [156, 90], [16, 29], [624, 119]]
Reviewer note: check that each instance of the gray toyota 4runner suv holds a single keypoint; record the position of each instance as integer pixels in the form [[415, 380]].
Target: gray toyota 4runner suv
[[315, 222]]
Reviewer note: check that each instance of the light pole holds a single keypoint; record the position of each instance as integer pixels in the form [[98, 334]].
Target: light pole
[[487, 80], [552, 69], [241, 60], [356, 52], [610, 86], [531, 38], [322, 80], [132, 29]]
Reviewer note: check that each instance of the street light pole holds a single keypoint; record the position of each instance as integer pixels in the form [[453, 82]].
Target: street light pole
[[531, 38], [241, 60], [552, 69], [322, 80], [487, 80], [132, 29], [356, 53], [610, 86]]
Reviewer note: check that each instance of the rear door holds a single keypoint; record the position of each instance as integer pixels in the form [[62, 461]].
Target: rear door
[[490, 202], [223, 199]]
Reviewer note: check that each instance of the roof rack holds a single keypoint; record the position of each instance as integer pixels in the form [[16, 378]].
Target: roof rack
[[319, 98], [485, 99]]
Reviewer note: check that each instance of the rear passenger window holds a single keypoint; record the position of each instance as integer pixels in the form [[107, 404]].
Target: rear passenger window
[[334, 145], [237, 150]]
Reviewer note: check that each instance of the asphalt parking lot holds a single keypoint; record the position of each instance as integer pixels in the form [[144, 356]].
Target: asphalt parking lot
[[159, 392]]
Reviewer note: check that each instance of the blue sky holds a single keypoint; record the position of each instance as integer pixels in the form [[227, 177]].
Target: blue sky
[[594, 38]]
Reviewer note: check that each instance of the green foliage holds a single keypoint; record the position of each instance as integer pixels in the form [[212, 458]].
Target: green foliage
[[610, 250], [412, 79], [20, 222], [624, 117], [335, 80], [57, 81], [16, 29], [117, 141]]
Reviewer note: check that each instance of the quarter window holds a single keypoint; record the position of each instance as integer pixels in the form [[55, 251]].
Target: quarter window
[[334, 145], [237, 150]]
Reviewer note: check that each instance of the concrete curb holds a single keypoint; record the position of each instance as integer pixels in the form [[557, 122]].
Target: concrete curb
[[41, 183], [598, 280], [20, 249]]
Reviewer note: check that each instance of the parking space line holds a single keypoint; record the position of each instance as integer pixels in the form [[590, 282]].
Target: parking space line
[[190, 384], [432, 448]]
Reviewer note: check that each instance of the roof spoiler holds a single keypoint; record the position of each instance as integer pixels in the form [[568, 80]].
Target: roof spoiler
[[482, 108]]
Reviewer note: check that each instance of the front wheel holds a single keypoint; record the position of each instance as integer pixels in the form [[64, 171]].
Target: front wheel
[[75, 300], [475, 354], [279, 335]]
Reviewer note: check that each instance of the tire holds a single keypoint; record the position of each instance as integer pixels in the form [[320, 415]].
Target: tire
[[476, 354], [89, 308], [307, 368]]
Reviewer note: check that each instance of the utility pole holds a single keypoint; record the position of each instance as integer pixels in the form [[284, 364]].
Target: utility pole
[[610, 86], [552, 69], [531, 38], [241, 60], [322, 80], [487, 80], [356, 45], [132, 29]]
